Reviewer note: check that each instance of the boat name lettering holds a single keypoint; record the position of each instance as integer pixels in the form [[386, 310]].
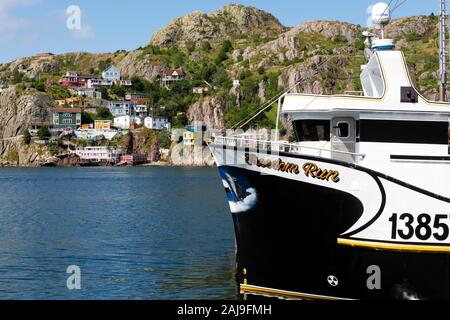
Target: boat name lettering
[[278, 165], [313, 170]]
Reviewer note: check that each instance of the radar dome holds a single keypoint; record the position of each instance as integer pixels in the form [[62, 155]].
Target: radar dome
[[381, 14]]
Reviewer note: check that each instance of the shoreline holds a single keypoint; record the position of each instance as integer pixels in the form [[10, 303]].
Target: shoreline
[[147, 165]]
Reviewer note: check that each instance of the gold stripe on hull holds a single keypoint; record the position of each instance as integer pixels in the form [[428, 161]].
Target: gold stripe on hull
[[249, 289], [394, 246]]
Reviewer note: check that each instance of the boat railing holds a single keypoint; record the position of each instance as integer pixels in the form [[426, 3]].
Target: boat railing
[[278, 146]]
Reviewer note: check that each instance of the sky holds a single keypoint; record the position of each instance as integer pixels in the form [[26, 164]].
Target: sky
[[28, 27]]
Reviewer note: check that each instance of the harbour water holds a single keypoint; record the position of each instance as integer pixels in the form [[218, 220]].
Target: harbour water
[[135, 233]]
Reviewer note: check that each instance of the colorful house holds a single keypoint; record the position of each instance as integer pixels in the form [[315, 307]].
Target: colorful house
[[188, 138], [172, 75], [66, 118], [121, 108], [73, 79], [157, 123], [137, 98], [72, 103], [111, 74], [102, 125]]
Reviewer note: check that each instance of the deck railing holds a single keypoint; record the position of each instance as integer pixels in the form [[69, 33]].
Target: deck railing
[[278, 146]]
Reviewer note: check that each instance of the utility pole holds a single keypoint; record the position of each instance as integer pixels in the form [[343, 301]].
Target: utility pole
[[442, 51]]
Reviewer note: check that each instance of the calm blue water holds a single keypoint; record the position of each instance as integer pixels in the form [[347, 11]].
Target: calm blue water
[[136, 233]]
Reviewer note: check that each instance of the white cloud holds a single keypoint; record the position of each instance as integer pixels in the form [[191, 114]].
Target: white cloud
[[9, 25]]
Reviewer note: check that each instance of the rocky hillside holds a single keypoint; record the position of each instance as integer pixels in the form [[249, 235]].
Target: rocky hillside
[[231, 22], [235, 42], [18, 112]]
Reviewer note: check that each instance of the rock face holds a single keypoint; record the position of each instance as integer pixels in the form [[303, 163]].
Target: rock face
[[182, 155], [231, 21], [32, 67], [330, 29], [421, 25], [137, 64], [211, 110], [318, 75], [18, 113], [287, 46]]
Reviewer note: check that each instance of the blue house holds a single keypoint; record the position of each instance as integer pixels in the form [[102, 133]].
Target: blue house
[[111, 74]]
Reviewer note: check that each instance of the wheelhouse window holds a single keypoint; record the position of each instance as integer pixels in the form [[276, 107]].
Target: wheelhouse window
[[312, 130], [394, 131], [343, 130]]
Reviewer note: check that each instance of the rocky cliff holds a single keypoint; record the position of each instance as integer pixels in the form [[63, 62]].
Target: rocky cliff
[[234, 20], [18, 112], [211, 110]]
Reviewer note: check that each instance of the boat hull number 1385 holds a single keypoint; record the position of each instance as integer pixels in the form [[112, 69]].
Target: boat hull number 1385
[[424, 226]]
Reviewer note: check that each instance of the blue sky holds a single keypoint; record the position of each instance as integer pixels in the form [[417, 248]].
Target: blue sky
[[31, 26]]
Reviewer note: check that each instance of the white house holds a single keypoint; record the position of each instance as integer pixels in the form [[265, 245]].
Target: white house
[[96, 83], [141, 110], [124, 122], [2, 87], [87, 92], [121, 108], [111, 74], [98, 154], [157, 123], [236, 83]]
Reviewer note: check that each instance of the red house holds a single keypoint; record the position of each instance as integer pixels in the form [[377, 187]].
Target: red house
[[73, 79]]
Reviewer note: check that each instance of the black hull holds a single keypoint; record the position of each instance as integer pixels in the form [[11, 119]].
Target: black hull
[[287, 240]]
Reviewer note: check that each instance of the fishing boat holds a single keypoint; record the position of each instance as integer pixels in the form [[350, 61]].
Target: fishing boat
[[358, 207]]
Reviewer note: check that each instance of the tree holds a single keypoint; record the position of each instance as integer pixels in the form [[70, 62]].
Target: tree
[[39, 85], [104, 113], [222, 56], [206, 46], [27, 137], [137, 84], [44, 133], [130, 145], [86, 117], [163, 140], [104, 92], [227, 46], [117, 90], [16, 76]]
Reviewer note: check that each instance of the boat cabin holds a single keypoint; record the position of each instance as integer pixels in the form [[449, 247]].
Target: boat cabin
[[391, 118]]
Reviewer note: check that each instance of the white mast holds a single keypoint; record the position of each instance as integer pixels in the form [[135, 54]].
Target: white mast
[[442, 51]]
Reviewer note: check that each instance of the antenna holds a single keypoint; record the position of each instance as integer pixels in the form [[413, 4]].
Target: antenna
[[442, 51]]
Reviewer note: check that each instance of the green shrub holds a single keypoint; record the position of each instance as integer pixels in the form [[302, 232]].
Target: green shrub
[[339, 39], [413, 36], [26, 137], [43, 133], [163, 140], [206, 46], [39, 85]]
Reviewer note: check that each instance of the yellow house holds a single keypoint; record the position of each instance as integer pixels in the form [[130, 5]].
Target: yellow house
[[102, 125], [73, 103], [188, 138]]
